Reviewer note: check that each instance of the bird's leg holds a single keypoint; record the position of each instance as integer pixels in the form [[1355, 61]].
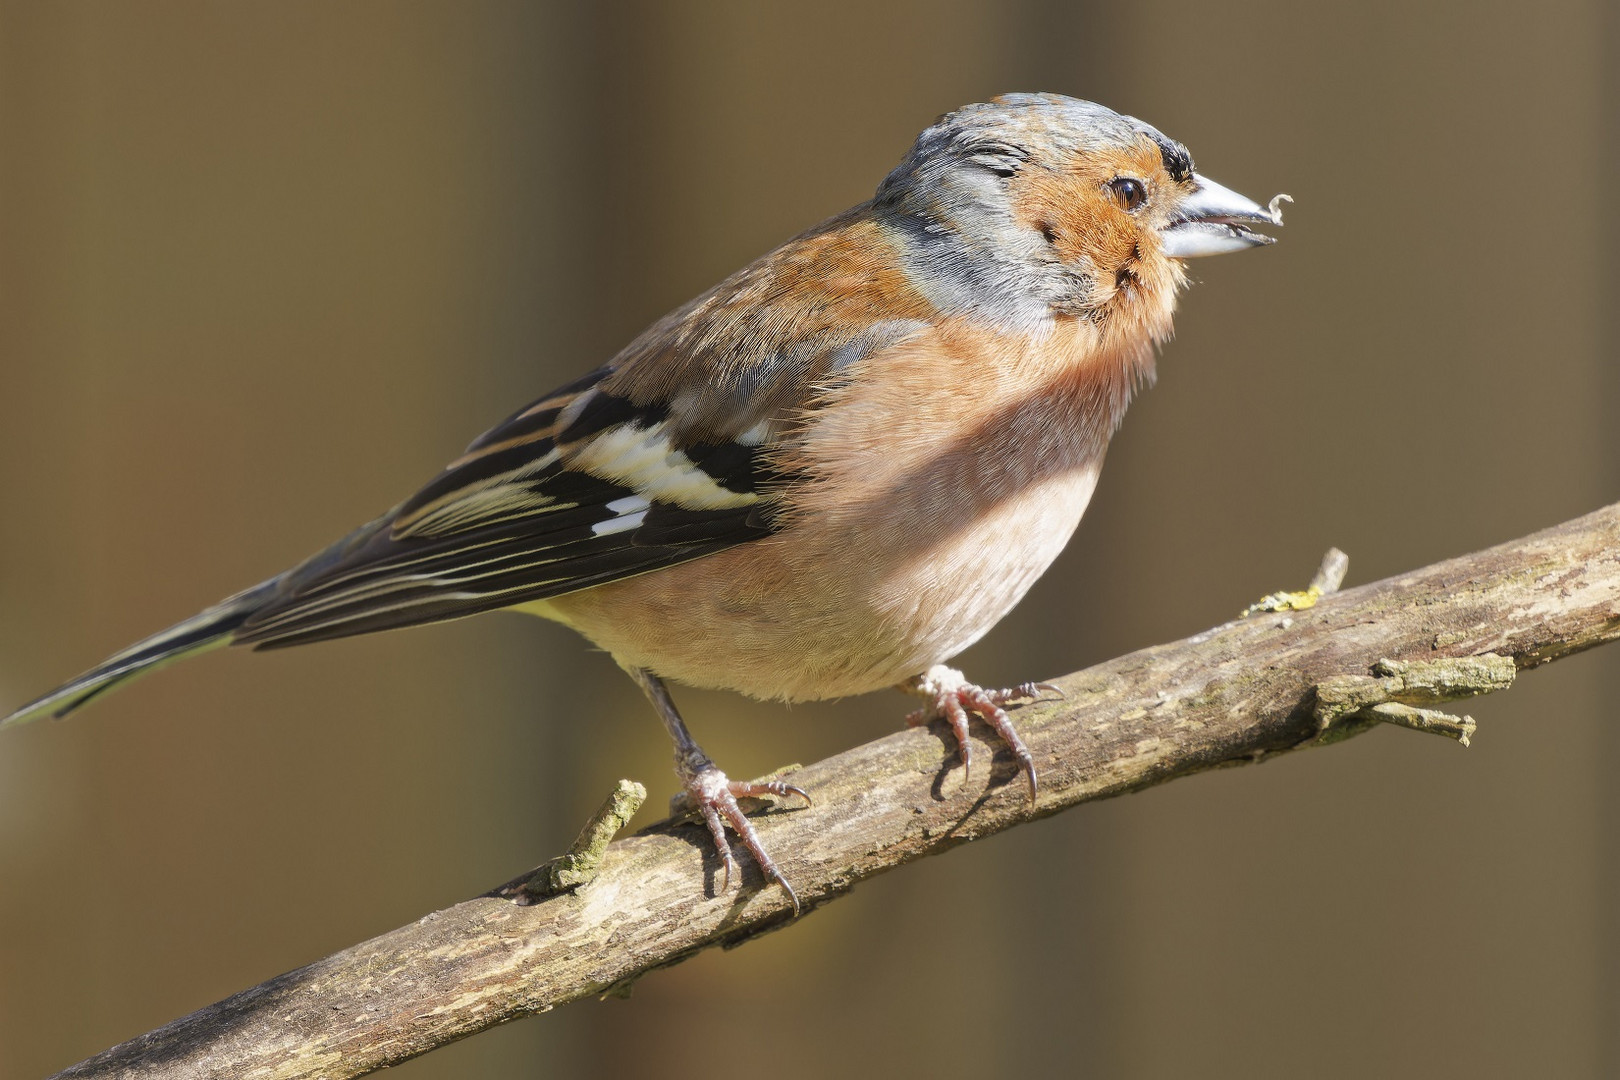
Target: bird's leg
[[714, 796], [952, 697]]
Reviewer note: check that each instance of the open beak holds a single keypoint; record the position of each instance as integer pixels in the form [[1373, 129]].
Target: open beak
[[1212, 220]]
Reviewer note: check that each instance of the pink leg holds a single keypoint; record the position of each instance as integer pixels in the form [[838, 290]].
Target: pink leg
[[715, 796], [952, 697]]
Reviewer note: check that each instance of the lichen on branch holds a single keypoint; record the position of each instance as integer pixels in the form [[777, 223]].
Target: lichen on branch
[[1250, 689]]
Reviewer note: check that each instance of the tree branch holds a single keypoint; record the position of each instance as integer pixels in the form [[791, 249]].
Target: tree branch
[[1276, 681]]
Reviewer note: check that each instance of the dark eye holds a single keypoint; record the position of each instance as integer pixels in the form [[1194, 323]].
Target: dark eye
[[1128, 192]]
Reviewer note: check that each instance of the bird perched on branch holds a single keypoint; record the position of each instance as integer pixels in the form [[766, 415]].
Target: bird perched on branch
[[828, 474]]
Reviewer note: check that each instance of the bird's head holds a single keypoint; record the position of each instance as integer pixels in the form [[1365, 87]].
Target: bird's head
[[1038, 205]]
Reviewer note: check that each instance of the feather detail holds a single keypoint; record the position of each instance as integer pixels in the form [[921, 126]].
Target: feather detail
[[672, 451], [602, 493], [206, 630]]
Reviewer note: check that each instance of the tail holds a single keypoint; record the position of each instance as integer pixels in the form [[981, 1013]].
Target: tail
[[200, 633]]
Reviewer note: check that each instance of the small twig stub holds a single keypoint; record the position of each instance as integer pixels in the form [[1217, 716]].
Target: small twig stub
[[1397, 690], [584, 858], [1326, 581]]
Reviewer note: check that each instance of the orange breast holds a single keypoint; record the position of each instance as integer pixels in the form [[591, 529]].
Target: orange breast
[[942, 480]]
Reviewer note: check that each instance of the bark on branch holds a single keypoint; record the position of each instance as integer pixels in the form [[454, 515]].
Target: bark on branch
[[1262, 685]]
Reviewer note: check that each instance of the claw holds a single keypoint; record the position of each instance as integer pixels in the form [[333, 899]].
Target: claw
[[953, 697], [712, 794], [716, 800], [779, 788], [957, 717], [1027, 692]]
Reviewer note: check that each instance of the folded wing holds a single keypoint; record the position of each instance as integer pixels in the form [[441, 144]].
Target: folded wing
[[580, 488]]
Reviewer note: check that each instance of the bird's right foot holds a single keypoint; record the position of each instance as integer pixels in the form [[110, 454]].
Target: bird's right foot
[[951, 698]]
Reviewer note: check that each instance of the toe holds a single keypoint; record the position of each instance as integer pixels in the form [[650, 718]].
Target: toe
[[957, 716], [758, 789], [716, 799]]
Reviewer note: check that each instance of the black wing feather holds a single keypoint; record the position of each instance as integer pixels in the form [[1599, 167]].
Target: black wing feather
[[514, 521]]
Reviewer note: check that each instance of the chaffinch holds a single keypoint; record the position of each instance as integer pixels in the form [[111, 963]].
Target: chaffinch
[[828, 474]]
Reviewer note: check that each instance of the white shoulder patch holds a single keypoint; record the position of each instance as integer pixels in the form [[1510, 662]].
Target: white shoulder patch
[[644, 460]]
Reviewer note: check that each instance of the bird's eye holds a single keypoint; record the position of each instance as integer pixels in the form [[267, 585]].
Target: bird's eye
[[1128, 192]]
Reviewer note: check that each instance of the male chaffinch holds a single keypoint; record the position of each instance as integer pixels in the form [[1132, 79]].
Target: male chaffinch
[[831, 472]]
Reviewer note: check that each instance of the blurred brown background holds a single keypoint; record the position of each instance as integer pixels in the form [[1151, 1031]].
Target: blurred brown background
[[264, 268]]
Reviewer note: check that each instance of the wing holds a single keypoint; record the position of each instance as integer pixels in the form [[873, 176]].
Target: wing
[[580, 488], [670, 452]]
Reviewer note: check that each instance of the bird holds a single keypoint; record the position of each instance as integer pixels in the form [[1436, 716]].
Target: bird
[[830, 473]]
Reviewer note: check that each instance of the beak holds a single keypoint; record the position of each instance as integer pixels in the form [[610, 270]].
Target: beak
[[1212, 220]]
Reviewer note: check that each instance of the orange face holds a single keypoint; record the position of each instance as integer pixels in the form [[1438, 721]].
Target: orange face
[[1100, 212]]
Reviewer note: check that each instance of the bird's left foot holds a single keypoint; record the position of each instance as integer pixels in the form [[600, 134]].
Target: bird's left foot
[[952, 698], [708, 790], [714, 797]]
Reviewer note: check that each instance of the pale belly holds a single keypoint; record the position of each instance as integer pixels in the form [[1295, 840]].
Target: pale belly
[[829, 608]]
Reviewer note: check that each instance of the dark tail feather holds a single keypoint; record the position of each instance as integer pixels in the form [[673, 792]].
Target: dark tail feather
[[207, 630]]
